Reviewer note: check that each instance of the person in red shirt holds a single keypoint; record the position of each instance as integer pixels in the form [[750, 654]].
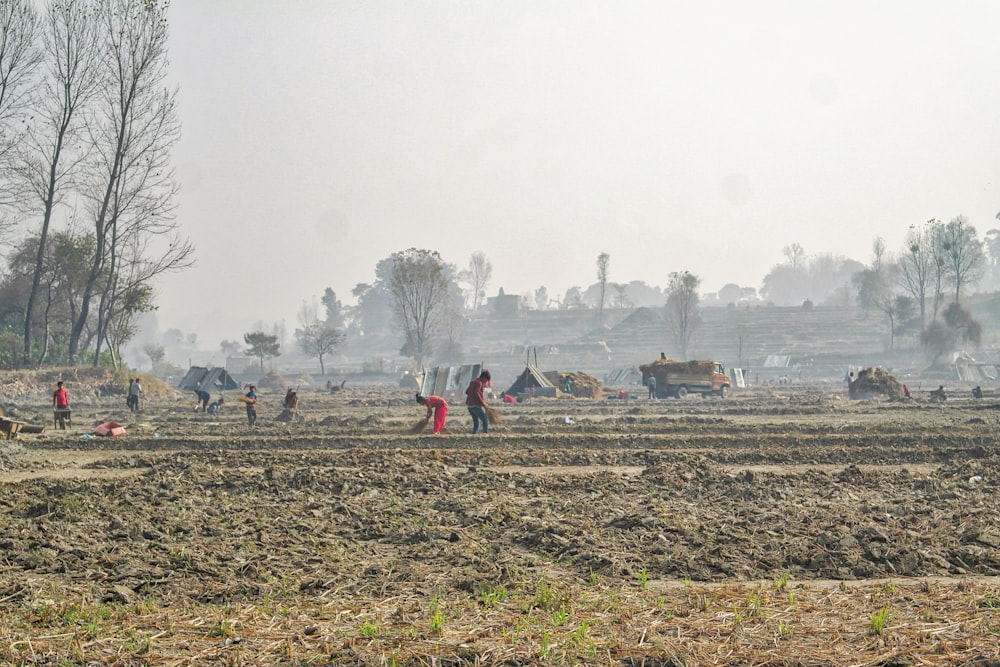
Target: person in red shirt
[[438, 406], [476, 403], [60, 404], [60, 399]]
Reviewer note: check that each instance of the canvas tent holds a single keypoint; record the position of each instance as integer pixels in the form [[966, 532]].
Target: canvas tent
[[532, 379], [210, 378], [448, 381]]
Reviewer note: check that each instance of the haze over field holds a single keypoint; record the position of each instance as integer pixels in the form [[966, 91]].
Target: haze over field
[[320, 137]]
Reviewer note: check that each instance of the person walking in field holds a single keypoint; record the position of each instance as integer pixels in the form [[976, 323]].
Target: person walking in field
[[651, 383], [476, 403], [436, 405]]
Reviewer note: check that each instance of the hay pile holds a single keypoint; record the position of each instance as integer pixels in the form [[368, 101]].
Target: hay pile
[[874, 382], [582, 385], [665, 365], [273, 381]]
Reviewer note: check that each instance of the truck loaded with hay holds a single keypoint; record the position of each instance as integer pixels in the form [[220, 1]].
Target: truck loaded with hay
[[680, 378]]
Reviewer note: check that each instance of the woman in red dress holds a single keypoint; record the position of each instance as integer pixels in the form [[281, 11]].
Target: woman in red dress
[[438, 406]]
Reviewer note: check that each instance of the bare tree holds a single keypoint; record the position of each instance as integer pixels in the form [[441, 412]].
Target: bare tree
[[421, 291], [938, 267], [916, 266], [602, 281], [964, 259], [53, 147], [131, 191], [318, 341], [19, 58], [621, 296], [479, 274], [795, 255], [683, 316], [873, 283]]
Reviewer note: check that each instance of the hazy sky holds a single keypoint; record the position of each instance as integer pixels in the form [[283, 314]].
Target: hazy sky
[[321, 136]]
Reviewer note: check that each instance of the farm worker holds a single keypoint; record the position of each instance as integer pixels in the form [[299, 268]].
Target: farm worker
[[507, 398], [568, 387], [216, 406], [60, 403], [203, 398], [250, 398], [651, 383], [291, 399], [60, 399], [906, 391], [438, 406], [476, 403], [134, 392]]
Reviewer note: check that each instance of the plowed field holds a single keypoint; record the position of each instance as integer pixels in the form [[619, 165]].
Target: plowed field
[[776, 527]]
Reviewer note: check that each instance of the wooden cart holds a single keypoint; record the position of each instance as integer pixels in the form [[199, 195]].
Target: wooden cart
[[9, 428]]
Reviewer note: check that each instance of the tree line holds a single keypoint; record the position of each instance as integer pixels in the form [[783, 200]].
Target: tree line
[[424, 300], [87, 192]]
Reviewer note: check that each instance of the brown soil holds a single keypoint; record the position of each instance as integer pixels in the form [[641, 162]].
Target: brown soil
[[784, 527]]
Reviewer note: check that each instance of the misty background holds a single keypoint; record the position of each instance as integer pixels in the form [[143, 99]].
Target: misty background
[[724, 139], [705, 137]]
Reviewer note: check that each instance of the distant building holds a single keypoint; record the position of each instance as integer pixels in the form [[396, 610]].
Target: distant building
[[506, 305]]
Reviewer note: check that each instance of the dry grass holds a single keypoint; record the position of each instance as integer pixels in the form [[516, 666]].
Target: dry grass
[[419, 427], [548, 622], [492, 414]]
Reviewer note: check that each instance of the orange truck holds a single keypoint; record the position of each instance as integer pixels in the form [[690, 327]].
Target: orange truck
[[680, 378]]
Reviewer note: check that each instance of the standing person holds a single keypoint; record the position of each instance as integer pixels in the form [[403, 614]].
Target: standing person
[[251, 401], [476, 403], [203, 398], [134, 392], [651, 383], [438, 406], [60, 404]]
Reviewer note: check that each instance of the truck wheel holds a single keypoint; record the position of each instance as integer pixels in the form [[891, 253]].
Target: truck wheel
[[724, 391], [682, 391]]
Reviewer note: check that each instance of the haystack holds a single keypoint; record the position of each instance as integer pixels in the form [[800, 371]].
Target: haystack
[[273, 381], [874, 382], [582, 385]]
